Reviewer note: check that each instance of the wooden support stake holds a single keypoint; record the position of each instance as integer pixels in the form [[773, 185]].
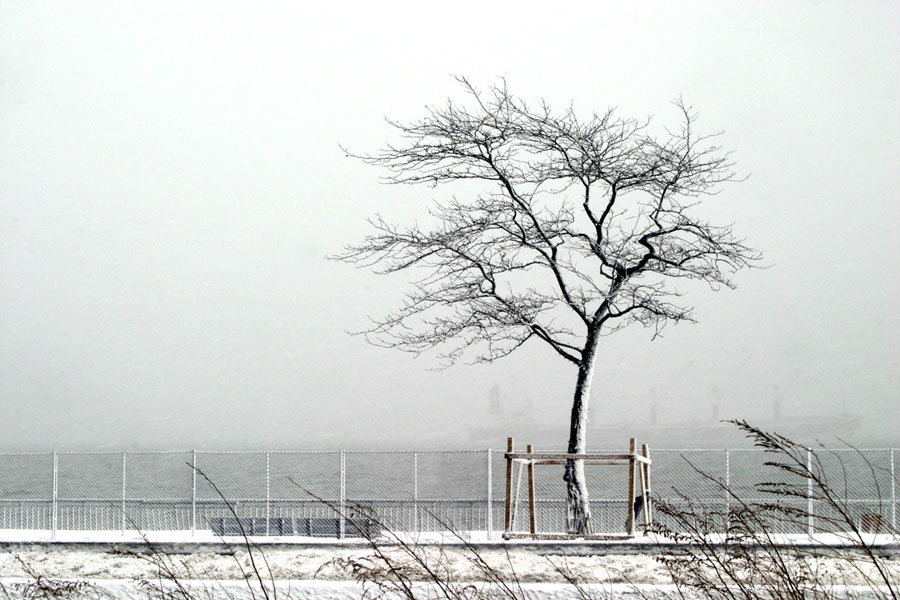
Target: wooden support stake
[[642, 498], [509, 449], [514, 517], [630, 503], [645, 486], [531, 519], [645, 490]]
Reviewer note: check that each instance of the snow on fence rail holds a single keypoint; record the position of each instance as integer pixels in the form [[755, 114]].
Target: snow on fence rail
[[288, 493]]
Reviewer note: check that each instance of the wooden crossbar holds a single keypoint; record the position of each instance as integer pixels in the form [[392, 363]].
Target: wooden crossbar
[[553, 458], [562, 462]]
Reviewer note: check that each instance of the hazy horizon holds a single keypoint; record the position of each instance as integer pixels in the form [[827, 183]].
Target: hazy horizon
[[172, 183]]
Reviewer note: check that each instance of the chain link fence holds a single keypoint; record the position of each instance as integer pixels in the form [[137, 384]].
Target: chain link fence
[[296, 493]]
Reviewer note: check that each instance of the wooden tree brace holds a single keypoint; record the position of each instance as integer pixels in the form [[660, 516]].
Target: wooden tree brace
[[530, 459]]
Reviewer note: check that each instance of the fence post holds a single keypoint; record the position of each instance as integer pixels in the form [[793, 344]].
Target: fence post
[[491, 500], [415, 492], [343, 493], [510, 444], [532, 520], [55, 505], [809, 493], [893, 495], [727, 488], [124, 454], [193, 492], [629, 523], [268, 494]]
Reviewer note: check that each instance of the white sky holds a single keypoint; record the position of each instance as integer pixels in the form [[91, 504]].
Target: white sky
[[171, 182]]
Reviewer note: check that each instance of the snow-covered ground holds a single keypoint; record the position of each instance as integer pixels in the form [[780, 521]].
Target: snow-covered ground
[[345, 590], [317, 567], [309, 572], [306, 563], [201, 536]]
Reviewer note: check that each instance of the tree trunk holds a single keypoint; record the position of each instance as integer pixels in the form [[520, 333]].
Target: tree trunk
[[578, 510]]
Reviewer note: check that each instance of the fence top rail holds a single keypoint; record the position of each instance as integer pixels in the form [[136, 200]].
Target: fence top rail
[[425, 501], [264, 452], [814, 448], [50, 453], [27, 500], [133, 452], [469, 451]]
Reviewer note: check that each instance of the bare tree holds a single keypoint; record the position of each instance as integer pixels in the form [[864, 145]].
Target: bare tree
[[579, 229]]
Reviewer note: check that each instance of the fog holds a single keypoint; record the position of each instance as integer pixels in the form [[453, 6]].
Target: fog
[[172, 183]]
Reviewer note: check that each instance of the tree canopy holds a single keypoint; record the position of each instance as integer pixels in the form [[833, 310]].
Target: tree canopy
[[581, 226]]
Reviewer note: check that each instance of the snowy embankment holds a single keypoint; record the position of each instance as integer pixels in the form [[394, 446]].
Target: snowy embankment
[[328, 564], [348, 590], [114, 563], [318, 571]]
